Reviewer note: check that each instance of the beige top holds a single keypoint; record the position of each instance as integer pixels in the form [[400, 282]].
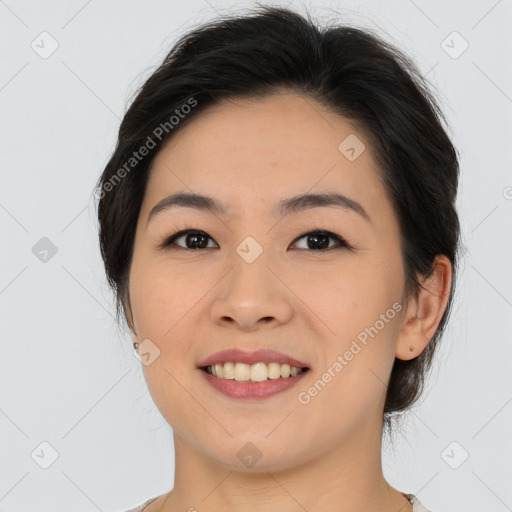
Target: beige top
[[416, 505]]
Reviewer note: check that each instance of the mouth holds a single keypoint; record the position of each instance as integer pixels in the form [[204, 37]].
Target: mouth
[[259, 374]]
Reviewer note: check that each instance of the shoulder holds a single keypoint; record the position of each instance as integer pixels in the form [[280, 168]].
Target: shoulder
[[416, 505], [142, 506]]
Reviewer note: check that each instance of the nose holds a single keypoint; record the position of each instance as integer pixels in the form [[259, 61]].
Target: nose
[[252, 296]]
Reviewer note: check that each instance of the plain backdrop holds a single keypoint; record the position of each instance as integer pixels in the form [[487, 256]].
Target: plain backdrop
[[79, 430]]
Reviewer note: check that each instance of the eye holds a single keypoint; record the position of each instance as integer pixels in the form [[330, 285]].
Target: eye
[[194, 239], [318, 239]]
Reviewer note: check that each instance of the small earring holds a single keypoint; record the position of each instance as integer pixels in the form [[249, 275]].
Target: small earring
[[136, 346], [411, 348]]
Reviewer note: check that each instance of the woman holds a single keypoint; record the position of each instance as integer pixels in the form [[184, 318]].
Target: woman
[[278, 224]]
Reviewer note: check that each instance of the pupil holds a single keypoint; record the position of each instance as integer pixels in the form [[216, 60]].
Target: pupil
[[194, 237], [323, 245]]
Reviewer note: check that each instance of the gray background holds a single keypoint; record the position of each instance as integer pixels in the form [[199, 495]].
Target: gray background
[[68, 376]]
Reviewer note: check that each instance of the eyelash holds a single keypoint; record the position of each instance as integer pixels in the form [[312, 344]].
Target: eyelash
[[169, 241]]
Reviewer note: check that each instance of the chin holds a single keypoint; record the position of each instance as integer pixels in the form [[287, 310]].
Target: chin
[[257, 454]]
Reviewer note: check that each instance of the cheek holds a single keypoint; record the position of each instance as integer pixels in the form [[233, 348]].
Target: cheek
[[162, 308], [361, 308], [350, 297], [160, 296]]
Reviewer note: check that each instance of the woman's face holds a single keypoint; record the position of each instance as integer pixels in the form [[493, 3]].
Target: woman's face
[[252, 283]]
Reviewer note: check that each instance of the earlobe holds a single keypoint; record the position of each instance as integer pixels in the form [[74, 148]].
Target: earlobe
[[424, 312]]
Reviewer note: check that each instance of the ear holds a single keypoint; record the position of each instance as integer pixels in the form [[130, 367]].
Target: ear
[[127, 309], [131, 325], [423, 314]]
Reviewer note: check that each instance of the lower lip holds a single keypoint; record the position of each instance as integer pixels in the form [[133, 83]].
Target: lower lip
[[245, 389]]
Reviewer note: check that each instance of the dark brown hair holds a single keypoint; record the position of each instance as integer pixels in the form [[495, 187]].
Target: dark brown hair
[[353, 73]]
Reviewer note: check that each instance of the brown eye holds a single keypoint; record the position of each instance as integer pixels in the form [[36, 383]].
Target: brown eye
[[319, 240], [193, 240]]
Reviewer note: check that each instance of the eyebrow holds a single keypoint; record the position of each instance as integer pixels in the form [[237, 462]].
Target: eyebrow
[[282, 208]]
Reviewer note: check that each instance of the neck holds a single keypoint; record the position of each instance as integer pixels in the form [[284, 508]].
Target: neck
[[347, 478]]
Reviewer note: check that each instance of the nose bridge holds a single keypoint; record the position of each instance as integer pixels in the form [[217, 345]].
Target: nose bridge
[[250, 261], [251, 291]]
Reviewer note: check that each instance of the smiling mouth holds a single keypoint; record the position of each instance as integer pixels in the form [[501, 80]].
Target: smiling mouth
[[258, 372]]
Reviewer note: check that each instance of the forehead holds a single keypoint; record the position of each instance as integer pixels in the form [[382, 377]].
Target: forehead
[[261, 150], [283, 126]]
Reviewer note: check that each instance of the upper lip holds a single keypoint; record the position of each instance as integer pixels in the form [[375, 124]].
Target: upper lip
[[236, 355]]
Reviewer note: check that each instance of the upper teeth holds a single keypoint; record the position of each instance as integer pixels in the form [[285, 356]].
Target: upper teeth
[[255, 372]]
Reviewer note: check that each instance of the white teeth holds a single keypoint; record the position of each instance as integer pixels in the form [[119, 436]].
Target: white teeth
[[256, 373], [285, 370], [259, 372], [229, 371], [242, 372], [274, 370], [219, 371]]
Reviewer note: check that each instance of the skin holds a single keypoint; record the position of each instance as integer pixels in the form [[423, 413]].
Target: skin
[[305, 302]]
